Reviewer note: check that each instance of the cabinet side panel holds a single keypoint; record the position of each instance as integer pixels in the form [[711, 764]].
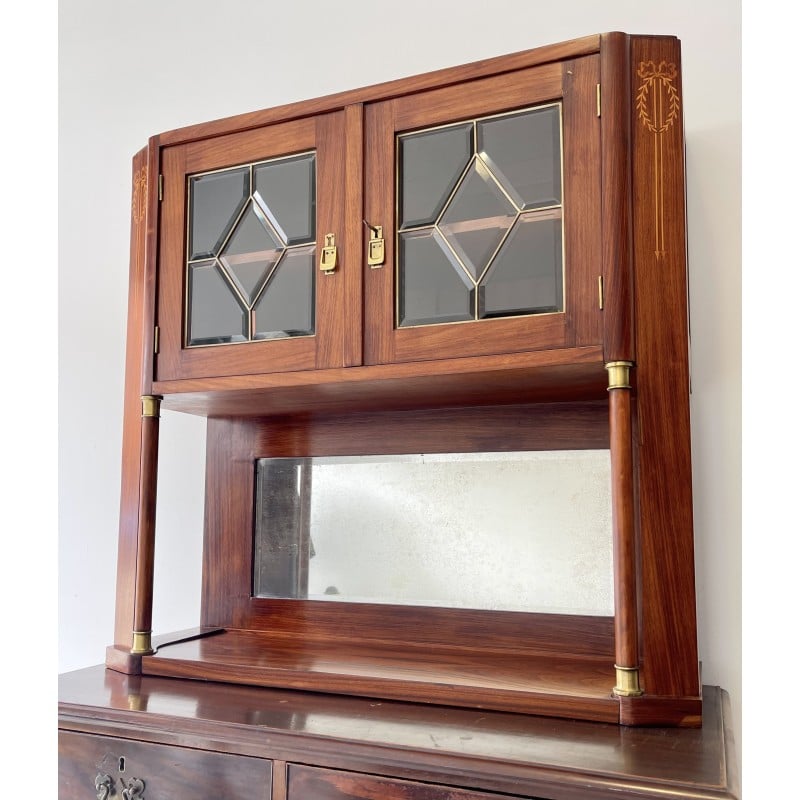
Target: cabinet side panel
[[136, 383], [669, 631], [228, 528]]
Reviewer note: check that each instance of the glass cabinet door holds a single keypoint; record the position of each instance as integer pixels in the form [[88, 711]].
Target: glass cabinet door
[[244, 222], [493, 216]]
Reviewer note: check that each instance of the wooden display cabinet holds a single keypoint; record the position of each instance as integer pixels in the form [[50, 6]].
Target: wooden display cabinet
[[355, 313]]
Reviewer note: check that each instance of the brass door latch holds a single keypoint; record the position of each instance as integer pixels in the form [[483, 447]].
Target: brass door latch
[[376, 252], [327, 261]]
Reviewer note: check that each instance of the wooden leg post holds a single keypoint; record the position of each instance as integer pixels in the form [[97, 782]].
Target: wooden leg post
[[143, 603], [623, 529]]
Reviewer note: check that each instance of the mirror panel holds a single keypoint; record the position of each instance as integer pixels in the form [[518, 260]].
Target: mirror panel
[[495, 531]]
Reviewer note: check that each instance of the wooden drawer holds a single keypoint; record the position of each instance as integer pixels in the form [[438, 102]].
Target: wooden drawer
[[307, 783], [168, 773]]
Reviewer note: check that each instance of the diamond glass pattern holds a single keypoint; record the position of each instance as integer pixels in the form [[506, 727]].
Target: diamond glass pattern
[[477, 218], [251, 252], [495, 248], [250, 262]]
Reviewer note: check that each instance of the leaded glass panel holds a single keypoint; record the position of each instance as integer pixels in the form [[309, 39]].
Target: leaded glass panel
[[250, 250], [480, 219]]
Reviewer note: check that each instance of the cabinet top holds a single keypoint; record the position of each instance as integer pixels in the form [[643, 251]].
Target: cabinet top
[[573, 48], [535, 750]]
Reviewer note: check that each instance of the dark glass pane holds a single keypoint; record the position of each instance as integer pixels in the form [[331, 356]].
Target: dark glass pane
[[526, 275], [286, 307], [430, 165], [287, 191], [283, 548], [251, 252], [524, 153], [477, 218], [433, 287], [216, 201], [215, 314]]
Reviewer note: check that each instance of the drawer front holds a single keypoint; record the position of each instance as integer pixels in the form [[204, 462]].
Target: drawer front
[[103, 767], [307, 783]]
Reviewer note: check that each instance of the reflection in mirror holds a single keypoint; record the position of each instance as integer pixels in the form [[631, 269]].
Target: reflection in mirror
[[527, 531]]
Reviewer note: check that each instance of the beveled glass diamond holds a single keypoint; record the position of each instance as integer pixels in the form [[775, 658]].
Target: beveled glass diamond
[[477, 218], [251, 252]]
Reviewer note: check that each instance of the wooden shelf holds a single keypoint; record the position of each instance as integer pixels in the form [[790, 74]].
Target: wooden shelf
[[575, 373], [540, 684]]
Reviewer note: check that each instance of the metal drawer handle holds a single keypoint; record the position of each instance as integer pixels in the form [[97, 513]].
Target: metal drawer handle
[[103, 786], [134, 790]]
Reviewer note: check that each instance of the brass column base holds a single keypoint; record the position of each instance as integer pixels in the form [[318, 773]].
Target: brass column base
[[142, 645], [627, 682]]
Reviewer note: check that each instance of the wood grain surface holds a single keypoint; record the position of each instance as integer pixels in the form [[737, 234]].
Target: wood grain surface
[[472, 750]]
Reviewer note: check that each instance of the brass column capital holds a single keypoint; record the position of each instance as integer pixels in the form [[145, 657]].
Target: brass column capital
[[151, 406], [619, 374]]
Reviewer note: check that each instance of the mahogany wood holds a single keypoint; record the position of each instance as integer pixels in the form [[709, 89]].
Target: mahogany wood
[[583, 234], [683, 712], [625, 184], [623, 529], [385, 91], [574, 83], [354, 236], [499, 631], [544, 376], [336, 785], [578, 687], [324, 134], [145, 556], [668, 627], [138, 370], [470, 750], [167, 773], [616, 250], [233, 445], [279, 775]]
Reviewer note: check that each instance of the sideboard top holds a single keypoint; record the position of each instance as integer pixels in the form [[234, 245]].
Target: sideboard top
[[530, 751]]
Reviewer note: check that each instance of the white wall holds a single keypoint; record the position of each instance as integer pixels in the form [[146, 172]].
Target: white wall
[[132, 69]]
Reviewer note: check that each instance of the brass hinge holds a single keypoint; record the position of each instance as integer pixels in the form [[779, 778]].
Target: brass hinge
[[598, 99], [160, 187], [600, 291], [156, 337]]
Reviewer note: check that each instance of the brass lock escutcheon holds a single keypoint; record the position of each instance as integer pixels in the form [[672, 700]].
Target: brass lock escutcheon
[[376, 250], [327, 261]]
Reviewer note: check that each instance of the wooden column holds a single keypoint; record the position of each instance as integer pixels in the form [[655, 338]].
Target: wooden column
[[145, 554], [139, 435], [626, 652]]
